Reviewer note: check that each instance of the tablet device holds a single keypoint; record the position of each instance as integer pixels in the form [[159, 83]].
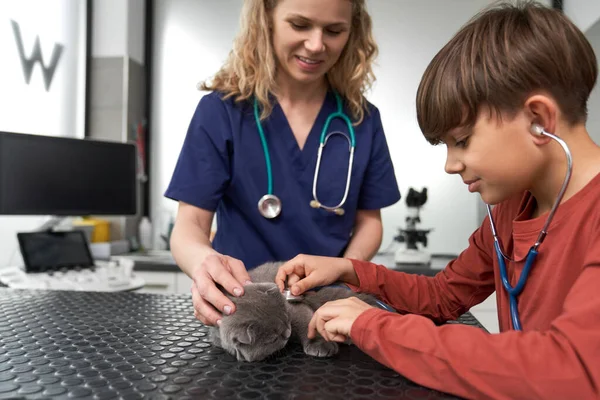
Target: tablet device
[[50, 250]]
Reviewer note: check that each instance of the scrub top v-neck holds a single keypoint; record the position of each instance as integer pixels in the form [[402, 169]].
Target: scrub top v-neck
[[222, 168]]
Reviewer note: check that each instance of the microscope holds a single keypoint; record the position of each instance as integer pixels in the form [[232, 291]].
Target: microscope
[[412, 254]]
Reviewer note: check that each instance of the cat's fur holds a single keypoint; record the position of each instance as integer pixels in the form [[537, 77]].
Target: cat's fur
[[264, 321]]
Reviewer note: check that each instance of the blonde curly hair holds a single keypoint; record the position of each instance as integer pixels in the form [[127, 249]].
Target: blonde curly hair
[[250, 68]]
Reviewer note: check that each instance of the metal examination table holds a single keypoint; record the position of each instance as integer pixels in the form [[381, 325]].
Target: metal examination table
[[56, 344]]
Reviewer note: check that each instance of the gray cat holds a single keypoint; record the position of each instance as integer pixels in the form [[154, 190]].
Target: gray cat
[[264, 321]]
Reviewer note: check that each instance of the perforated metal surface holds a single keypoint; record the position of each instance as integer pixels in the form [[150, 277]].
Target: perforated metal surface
[[128, 345]]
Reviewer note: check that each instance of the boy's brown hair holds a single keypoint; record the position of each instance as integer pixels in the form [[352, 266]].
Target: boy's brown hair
[[504, 54]]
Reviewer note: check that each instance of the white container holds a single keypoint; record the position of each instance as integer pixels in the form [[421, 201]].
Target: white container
[[145, 233]]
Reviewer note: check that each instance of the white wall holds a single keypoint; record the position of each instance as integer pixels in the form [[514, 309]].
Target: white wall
[[593, 123], [135, 26], [191, 41], [586, 15], [409, 34], [109, 18], [29, 108], [583, 13], [193, 38], [118, 28]]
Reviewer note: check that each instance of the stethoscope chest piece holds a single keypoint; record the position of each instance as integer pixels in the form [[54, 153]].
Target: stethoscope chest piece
[[290, 298], [269, 206]]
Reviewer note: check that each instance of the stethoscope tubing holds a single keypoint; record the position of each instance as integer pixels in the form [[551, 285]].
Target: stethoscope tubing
[[322, 143], [348, 175], [514, 292]]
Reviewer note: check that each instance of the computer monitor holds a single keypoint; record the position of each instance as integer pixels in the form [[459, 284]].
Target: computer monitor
[[47, 175]]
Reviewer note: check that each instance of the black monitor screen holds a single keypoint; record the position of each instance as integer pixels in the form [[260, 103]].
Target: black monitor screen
[[45, 175], [43, 251]]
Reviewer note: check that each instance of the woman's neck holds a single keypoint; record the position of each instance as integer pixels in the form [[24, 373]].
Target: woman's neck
[[293, 92]]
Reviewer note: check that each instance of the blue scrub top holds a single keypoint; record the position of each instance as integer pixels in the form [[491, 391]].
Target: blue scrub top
[[222, 168]]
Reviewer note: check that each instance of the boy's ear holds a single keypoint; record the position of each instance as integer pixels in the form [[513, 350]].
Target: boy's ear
[[543, 111]]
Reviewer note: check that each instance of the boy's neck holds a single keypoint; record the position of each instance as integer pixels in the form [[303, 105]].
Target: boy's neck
[[586, 165]]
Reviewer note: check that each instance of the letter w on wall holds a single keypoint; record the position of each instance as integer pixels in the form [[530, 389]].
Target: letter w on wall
[[36, 56]]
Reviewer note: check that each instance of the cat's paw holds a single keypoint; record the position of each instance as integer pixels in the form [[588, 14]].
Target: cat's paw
[[321, 348]]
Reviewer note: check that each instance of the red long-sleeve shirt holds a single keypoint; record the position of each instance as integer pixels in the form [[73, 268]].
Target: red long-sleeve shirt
[[556, 356]]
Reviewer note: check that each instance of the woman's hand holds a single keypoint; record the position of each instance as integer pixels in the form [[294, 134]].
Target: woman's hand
[[208, 300], [334, 320], [305, 272]]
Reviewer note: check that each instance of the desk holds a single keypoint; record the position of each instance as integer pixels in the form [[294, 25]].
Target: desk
[[163, 261], [61, 344], [438, 263], [102, 279]]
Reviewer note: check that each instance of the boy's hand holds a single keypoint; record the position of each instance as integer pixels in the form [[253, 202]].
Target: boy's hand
[[334, 320], [305, 272]]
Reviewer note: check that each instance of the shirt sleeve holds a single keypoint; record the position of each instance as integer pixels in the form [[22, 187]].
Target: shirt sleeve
[[558, 363], [561, 363], [202, 172], [379, 187], [465, 282]]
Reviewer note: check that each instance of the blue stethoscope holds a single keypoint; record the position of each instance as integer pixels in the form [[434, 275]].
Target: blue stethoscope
[[514, 292], [291, 298], [269, 205]]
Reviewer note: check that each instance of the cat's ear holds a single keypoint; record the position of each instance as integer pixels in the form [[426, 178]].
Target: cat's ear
[[268, 288], [273, 290], [246, 336]]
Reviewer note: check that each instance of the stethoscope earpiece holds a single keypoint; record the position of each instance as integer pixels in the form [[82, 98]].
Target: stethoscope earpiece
[[337, 211], [537, 129]]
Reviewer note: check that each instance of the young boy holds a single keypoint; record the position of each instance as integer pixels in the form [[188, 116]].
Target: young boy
[[510, 73]]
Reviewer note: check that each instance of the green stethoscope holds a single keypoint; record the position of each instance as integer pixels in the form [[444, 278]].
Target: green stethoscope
[[269, 205]]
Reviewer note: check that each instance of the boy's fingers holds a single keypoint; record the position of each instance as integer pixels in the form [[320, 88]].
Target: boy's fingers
[[287, 269], [340, 338], [280, 278], [319, 321], [292, 279], [311, 327], [301, 286], [332, 329], [320, 327]]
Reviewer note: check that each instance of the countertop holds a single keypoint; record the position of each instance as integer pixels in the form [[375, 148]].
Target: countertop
[[162, 261], [64, 345]]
